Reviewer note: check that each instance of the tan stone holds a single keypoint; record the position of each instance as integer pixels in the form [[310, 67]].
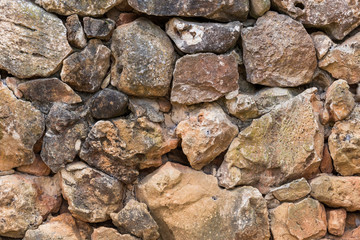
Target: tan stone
[[336, 221], [105, 233], [12, 83], [292, 191], [75, 32], [322, 43], [259, 7], [38, 167], [326, 165]]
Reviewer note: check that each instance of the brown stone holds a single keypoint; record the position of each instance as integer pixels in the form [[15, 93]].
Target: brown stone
[[322, 43], [75, 32], [98, 28], [12, 83], [38, 167], [204, 77], [336, 221], [105, 233], [278, 52], [146, 107], [259, 7], [326, 165], [351, 235], [125, 18], [292, 191], [109, 103]]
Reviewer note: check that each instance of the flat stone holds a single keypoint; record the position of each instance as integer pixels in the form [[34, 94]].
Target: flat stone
[[105, 233], [322, 43], [292, 191], [75, 32], [188, 204], [278, 52], [35, 40], [21, 125], [194, 37], [84, 71], [336, 221], [146, 107], [109, 103], [268, 152], [38, 167], [259, 7], [204, 77], [144, 59], [98, 28]]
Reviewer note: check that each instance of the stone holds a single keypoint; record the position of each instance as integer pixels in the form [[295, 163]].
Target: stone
[[49, 90], [92, 195], [109, 103], [288, 59], [188, 204], [204, 77], [12, 83], [326, 165], [342, 60], [259, 7], [205, 135], [292, 191], [66, 130], [336, 221], [336, 18], [351, 235], [75, 32], [120, 147], [268, 153], [82, 8], [21, 125], [105, 233], [337, 191], [271, 201], [35, 40], [322, 43], [194, 37], [135, 218], [321, 80], [98, 28], [146, 107], [84, 71], [125, 18], [38, 167], [144, 59], [301, 220]]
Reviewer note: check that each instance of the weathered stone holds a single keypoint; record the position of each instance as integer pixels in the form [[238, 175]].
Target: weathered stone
[[189, 204], [271, 201], [98, 28], [125, 18], [342, 61], [336, 18], [85, 70], [292, 191], [326, 165], [351, 235], [12, 83], [144, 59], [336, 221], [205, 135], [145, 107], [217, 10], [204, 77], [269, 152], [336, 191], [322, 43], [120, 147], [33, 42], [108, 103], [75, 32], [298, 221], [278, 52], [49, 90], [194, 37], [259, 7], [135, 218], [321, 80], [38, 167], [105, 233], [21, 125], [82, 8], [91, 194]]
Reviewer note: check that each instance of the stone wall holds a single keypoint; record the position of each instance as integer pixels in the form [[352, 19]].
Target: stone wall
[[179, 120]]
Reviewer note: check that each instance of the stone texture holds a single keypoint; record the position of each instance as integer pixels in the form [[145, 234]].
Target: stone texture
[[75, 32], [84, 71], [217, 10], [326, 165], [336, 221], [38, 167], [48, 90], [284, 144], [204, 77], [144, 59], [289, 58], [108, 103], [135, 218], [105, 233], [146, 107], [194, 37], [292, 191], [35, 40], [322, 43], [120, 147], [21, 125], [336, 191], [205, 135], [336, 18], [342, 60], [125, 18], [91, 194], [12, 83], [298, 221], [82, 8], [189, 204], [259, 7], [98, 28]]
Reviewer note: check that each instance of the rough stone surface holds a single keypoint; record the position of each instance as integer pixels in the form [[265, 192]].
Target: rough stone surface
[[290, 59], [145, 107], [38, 167], [204, 77], [336, 221], [144, 59], [194, 37], [135, 218], [326, 165], [21, 125], [75, 32], [98, 28], [284, 144], [105, 233], [337, 18], [298, 221], [259, 7], [322, 43], [49, 90], [175, 194], [84, 71], [12, 83], [342, 61], [292, 191], [33, 42], [109, 103], [91, 194], [205, 135]]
